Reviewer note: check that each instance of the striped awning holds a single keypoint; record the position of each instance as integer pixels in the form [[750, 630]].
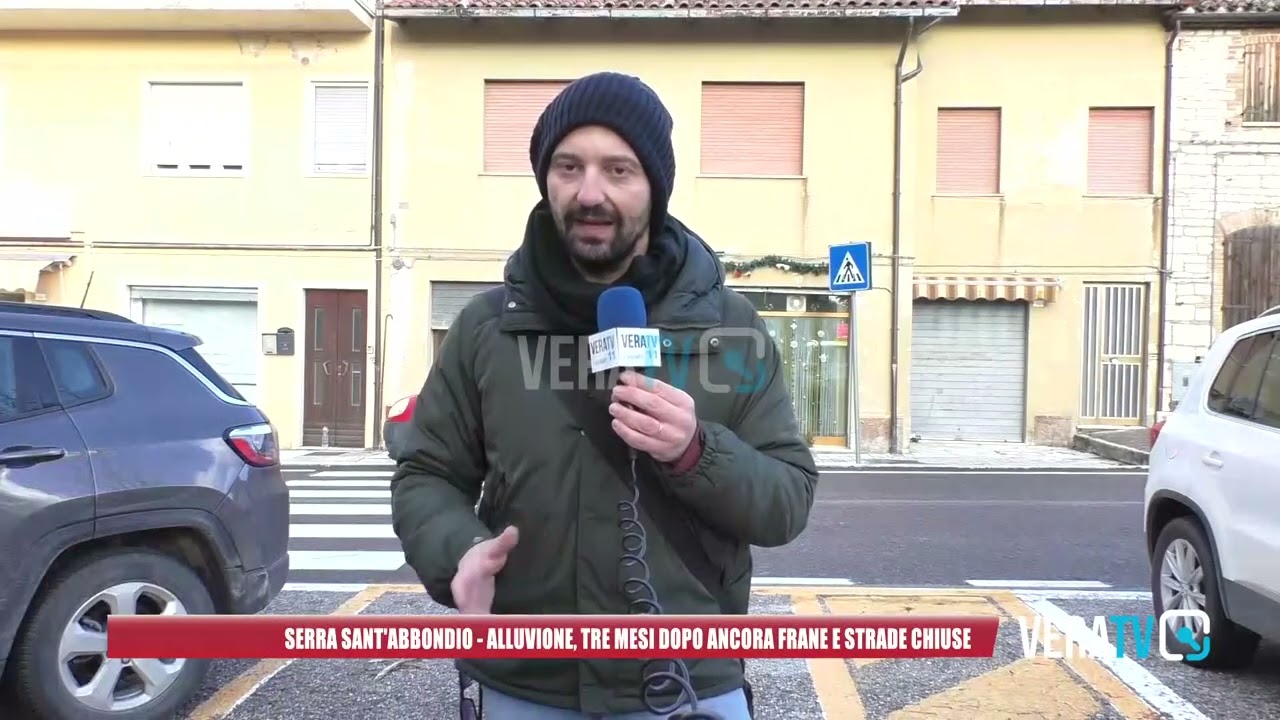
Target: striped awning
[[999, 287]]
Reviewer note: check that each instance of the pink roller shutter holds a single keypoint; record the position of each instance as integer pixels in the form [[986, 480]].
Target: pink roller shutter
[[968, 159], [1120, 151], [753, 128], [511, 109]]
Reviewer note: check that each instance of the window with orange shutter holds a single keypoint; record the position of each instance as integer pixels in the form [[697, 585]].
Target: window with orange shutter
[[511, 109], [752, 128], [1120, 151], [968, 157]]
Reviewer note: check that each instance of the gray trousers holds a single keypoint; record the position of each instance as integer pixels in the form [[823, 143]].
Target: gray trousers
[[497, 706]]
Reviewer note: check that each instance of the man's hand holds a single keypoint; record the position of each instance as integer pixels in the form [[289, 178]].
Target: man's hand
[[663, 422], [472, 585]]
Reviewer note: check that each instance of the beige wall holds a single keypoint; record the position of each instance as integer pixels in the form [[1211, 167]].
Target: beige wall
[[83, 150], [85, 143], [447, 210], [447, 220], [1043, 223]]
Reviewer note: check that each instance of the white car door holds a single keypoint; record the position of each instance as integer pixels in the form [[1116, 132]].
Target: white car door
[[1241, 454]]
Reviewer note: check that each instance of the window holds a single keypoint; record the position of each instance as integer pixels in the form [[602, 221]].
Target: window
[[340, 137], [197, 128], [968, 151], [1262, 79], [1120, 152], [75, 372], [511, 109], [202, 366], [753, 129], [24, 382], [9, 402], [1235, 390], [1268, 405]]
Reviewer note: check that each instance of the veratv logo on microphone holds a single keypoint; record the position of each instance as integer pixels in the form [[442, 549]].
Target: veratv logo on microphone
[[624, 348], [720, 361]]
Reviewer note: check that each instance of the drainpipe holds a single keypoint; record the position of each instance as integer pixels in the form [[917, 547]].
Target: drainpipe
[[898, 81], [379, 34], [1166, 204]]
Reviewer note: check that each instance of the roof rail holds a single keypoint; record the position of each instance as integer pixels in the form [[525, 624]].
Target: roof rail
[[60, 311], [1270, 311]]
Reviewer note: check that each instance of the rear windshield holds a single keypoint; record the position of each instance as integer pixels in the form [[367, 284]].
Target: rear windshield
[[198, 362]]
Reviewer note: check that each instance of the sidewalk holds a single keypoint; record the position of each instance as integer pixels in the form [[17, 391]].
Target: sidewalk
[[970, 456], [1127, 445], [921, 455]]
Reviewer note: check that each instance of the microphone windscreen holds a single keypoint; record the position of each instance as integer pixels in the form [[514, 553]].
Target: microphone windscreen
[[621, 307]]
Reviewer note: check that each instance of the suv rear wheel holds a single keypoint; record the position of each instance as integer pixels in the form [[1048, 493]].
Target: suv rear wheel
[[1184, 575], [61, 666]]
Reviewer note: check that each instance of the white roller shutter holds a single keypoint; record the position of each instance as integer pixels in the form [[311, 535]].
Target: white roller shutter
[[968, 370], [227, 325], [341, 128]]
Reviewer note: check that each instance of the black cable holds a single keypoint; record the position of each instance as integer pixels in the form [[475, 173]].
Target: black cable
[[634, 550]]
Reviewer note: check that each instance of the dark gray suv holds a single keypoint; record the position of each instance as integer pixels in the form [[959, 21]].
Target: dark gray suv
[[133, 479]]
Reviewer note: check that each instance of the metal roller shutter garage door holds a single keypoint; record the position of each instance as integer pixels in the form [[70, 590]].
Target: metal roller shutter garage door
[[448, 299], [225, 322], [968, 370]]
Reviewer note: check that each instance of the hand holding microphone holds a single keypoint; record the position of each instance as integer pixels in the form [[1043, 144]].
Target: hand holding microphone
[[653, 417], [649, 415]]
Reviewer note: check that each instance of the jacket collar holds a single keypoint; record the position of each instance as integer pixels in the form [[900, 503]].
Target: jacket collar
[[694, 301]]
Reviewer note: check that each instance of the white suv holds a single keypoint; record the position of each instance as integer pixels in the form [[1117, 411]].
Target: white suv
[[1213, 498]]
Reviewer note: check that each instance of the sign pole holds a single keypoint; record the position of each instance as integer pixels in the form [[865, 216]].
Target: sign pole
[[849, 271], [853, 380]]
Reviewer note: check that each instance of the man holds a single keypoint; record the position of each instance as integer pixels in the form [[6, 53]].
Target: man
[[717, 436]]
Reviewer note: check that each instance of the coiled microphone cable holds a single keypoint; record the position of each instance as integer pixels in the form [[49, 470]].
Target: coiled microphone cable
[[675, 674]]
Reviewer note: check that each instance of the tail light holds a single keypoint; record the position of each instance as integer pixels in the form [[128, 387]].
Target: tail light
[[1155, 431], [255, 444], [402, 410]]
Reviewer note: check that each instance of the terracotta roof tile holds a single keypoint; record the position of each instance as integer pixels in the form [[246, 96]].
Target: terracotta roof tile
[[1232, 6], [705, 5]]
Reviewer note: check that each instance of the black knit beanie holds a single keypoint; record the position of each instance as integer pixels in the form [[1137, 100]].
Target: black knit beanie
[[626, 106]]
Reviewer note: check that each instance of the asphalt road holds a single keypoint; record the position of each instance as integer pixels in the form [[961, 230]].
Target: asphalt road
[[919, 528], [898, 528]]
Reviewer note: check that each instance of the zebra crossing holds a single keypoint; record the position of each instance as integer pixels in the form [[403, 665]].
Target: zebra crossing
[[340, 526]]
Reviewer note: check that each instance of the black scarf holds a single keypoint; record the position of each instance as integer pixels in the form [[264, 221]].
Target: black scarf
[[568, 300]]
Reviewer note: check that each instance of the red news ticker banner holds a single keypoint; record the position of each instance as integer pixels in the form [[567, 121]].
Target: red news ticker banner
[[550, 636]]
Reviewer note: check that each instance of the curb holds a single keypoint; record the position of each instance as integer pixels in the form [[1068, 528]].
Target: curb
[[1110, 450], [971, 469]]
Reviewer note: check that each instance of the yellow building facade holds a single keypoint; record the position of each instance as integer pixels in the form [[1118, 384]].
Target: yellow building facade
[[1021, 149]]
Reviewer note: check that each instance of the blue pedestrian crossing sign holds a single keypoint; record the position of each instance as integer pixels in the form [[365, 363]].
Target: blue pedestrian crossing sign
[[850, 267]]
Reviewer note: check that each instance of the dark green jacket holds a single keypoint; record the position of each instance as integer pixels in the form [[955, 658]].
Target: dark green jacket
[[481, 421]]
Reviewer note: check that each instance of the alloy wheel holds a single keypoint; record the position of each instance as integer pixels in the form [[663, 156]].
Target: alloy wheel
[[115, 684], [1182, 583]]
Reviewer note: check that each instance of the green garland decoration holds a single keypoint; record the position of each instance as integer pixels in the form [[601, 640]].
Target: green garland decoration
[[738, 268]]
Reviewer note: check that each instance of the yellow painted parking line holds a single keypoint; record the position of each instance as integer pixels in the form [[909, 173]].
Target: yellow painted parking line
[[231, 695], [834, 685], [1063, 690]]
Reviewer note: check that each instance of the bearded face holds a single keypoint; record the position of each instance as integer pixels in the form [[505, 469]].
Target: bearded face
[[600, 200]]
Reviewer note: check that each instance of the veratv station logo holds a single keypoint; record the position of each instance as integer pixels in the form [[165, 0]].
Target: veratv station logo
[[1189, 628]]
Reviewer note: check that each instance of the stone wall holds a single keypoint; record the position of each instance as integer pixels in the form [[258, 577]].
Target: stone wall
[[1225, 176]]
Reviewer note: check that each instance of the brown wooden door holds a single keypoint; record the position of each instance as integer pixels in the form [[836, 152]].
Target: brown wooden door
[[335, 368]]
